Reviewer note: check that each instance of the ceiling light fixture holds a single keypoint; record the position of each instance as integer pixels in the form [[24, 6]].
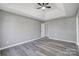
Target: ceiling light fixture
[[43, 8]]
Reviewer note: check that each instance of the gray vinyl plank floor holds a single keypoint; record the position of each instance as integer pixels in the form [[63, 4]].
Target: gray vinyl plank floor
[[42, 47]]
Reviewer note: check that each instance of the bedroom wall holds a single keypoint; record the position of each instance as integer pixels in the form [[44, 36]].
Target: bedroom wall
[[62, 29], [78, 27], [0, 30], [16, 29]]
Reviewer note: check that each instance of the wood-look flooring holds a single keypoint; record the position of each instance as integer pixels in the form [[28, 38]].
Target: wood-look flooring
[[42, 47]]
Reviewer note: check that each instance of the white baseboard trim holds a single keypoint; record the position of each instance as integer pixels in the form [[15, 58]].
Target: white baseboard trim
[[63, 40], [19, 43], [34, 40]]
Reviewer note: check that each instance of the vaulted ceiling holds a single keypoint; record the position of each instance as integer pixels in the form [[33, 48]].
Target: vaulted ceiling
[[57, 10]]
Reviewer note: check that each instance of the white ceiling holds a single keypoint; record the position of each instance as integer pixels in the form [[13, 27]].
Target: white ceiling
[[30, 10]]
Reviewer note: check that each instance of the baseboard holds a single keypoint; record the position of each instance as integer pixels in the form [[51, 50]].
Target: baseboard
[[63, 40], [33, 40], [19, 43]]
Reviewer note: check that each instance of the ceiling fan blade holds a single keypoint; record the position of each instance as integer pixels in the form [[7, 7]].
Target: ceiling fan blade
[[43, 4], [39, 4], [48, 6], [46, 3], [39, 7]]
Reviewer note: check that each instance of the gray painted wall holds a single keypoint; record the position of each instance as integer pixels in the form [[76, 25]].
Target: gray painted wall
[[0, 30], [62, 29], [78, 27], [16, 29]]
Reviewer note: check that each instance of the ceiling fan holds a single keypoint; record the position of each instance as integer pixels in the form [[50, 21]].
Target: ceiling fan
[[43, 5]]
